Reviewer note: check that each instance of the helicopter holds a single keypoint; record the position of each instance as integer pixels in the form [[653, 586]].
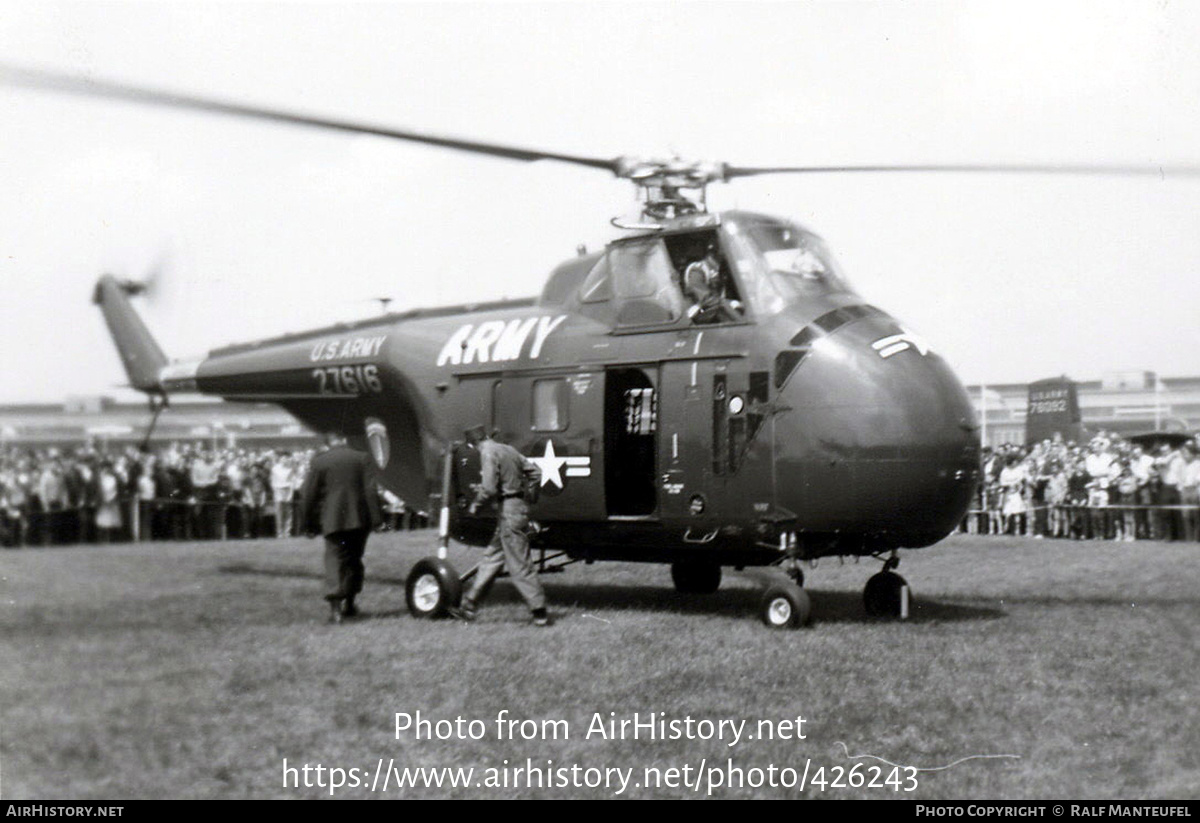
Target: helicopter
[[707, 391]]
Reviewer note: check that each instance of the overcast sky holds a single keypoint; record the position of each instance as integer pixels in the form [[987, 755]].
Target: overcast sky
[[260, 229]]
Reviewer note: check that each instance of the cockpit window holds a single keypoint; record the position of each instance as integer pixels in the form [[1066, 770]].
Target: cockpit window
[[781, 263], [639, 280], [643, 269], [598, 286], [799, 258]]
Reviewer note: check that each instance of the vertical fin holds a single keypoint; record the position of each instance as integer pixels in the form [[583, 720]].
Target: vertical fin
[[140, 354]]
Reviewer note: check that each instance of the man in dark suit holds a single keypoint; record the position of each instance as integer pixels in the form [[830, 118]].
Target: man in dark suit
[[338, 500]]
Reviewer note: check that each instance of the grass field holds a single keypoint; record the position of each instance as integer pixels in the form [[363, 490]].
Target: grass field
[[193, 671]]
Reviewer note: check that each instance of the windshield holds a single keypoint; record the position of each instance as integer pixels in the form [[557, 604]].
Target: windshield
[[797, 261], [780, 264]]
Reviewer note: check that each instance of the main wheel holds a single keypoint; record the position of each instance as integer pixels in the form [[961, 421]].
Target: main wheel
[[696, 577], [785, 606], [432, 587], [886, 595]]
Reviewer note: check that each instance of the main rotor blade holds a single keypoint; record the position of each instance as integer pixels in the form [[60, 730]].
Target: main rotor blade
[[56, 82], [731, 172]]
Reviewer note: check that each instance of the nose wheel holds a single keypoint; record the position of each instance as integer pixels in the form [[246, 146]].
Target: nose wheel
[[785, 604], [887, 594]]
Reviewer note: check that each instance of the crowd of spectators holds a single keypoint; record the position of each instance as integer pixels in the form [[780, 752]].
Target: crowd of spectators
[[1105, 489], [183, 491]]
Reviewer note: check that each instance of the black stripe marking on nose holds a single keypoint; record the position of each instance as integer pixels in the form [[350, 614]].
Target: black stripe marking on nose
[[788, 360]]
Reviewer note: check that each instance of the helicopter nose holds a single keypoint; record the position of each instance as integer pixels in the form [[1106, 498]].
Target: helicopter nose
[[879, 439]]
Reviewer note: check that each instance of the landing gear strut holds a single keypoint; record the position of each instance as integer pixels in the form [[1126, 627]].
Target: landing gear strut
[[433, 586], [886, 593]]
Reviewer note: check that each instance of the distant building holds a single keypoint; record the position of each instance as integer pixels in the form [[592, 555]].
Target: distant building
[[1123, 402], [106, 422]]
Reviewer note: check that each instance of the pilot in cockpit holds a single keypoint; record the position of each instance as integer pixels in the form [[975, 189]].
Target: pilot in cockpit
[[707, 290]]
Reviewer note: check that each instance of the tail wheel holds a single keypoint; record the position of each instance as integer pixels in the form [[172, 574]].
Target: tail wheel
[[432, 587], [887, 595], [785, 606], [696, 577]]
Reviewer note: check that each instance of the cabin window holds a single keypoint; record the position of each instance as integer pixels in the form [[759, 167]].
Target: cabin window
[[550, 398]]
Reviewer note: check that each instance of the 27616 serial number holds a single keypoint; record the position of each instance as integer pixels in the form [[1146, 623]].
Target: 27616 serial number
[[348, 380]]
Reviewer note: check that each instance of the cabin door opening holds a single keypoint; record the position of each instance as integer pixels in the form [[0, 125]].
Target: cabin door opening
[[630, 442]]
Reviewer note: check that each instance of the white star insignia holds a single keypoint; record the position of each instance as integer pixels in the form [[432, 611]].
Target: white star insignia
[[551, 465]]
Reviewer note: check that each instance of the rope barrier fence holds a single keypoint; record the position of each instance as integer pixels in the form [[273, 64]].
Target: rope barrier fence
[[132, 519], [1129, 521]]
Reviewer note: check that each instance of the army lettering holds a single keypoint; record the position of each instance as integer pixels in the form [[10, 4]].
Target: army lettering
[[497, 341], [347, 347]]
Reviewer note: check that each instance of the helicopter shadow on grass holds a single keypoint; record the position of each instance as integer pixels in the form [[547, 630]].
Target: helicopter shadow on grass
[[827, 606], [1131, 600], [741, 602], [245, 569], [297, 574]]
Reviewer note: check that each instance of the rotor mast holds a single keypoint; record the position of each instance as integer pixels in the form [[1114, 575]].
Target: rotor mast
[[662, 184]]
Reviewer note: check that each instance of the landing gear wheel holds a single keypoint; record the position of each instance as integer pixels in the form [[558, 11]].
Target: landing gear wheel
[[887, 595], [785, 606], [696, 577], [432, 587]]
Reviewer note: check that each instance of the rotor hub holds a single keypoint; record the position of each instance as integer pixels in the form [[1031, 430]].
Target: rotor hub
[[662, 184]]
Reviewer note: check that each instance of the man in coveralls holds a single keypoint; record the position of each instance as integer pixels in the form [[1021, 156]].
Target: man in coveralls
[[704, 286], [503, 477], [338, 500]]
